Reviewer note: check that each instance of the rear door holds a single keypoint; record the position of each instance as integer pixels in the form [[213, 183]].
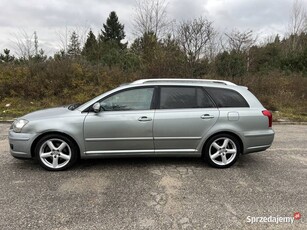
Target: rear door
[[183, 116]]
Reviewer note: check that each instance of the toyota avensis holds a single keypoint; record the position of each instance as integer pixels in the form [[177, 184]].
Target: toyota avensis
[[215, 120]]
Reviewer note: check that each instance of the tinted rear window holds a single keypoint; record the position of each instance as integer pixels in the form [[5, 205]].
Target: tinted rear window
[[184, 97], [227, 98]]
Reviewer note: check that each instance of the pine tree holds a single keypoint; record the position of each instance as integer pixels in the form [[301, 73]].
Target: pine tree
[[277, 39], [74, 45], [113, 30], [146, 46], [90, 46], [6, 57]]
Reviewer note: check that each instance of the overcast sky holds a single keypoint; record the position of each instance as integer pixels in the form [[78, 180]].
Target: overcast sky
[[50, 18]]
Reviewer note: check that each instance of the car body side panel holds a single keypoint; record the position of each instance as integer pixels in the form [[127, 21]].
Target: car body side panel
[[178, 131], [71, 125], [116, 132], [251, 128]]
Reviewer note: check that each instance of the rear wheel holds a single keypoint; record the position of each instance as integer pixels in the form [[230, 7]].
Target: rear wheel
[[222, 150], [56, 152]]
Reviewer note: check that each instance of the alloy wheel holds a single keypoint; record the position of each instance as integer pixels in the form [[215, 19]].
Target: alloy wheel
[[55, 153], [222, 151]]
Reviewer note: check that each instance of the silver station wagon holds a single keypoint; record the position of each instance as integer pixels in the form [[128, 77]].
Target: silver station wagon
[[215, 120]]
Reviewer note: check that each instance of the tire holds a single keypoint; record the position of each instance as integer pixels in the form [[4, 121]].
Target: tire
[[222, 150], [56, 152]]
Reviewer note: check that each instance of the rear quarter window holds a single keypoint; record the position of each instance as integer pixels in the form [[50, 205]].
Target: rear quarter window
[[227, 98]]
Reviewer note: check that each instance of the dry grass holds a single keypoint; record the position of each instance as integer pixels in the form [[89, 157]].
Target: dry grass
[[35, 87]]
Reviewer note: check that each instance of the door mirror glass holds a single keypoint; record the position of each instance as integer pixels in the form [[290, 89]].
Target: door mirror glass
[[97, 107]]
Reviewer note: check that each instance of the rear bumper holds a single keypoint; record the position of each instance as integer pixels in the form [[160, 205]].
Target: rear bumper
[[20, 144], [256, 141]]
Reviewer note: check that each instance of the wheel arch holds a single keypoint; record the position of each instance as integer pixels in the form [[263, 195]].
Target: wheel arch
[[38, 138], [223, 132]]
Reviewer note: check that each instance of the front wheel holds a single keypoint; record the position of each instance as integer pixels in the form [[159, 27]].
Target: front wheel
[[56, 152], [222, 150]]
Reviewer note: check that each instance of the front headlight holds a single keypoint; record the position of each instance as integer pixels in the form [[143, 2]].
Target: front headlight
[[19, 124]]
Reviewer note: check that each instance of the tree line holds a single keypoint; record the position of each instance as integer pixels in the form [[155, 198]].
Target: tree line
[[162, 48]]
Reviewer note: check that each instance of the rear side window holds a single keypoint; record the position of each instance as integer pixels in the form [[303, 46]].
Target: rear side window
[[227, 98], [184, 97]]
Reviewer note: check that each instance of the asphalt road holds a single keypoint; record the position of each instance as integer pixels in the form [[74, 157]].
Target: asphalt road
[[164, 193]]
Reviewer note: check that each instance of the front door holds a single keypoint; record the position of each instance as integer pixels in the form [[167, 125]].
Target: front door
[[124, 126]]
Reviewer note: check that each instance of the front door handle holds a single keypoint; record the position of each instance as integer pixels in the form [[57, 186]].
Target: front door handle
[[144, 118], [206, 116]]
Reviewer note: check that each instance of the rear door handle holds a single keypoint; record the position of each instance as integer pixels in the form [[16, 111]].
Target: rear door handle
[[206, 116], [144, 118]]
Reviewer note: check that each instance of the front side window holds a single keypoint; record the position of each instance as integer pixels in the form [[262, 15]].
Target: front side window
[[133, 99], [226, 98], [184, 98]]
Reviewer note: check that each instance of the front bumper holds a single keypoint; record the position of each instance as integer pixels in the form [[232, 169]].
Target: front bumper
[[20, 144]]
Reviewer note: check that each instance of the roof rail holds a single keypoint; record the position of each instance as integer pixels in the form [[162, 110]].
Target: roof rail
[[187, 80]]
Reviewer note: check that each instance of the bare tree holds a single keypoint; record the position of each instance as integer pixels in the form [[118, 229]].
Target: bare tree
[[240, 41], [298, 18], [63, 39], [151, 17], [297, 25], [25, 44], [195, 37], [213, 47]]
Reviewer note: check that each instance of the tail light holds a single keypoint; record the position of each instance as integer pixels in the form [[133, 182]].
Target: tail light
[[268, 114]]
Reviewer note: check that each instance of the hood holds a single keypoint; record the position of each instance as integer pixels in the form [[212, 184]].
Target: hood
[[46, 113]]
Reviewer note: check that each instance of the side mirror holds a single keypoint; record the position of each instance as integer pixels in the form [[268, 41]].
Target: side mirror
[[97, 107]]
